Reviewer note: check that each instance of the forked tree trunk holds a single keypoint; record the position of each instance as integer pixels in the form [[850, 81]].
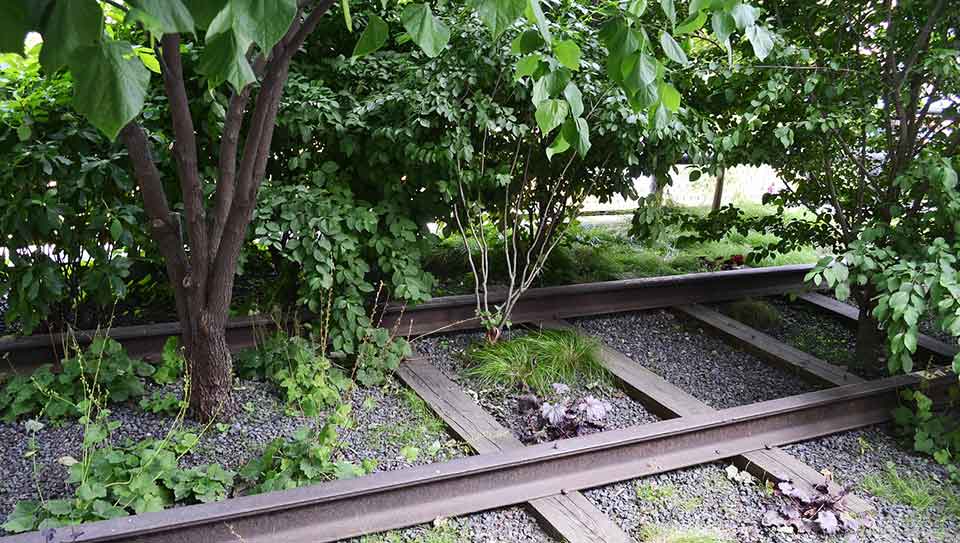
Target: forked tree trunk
[[201, 259]]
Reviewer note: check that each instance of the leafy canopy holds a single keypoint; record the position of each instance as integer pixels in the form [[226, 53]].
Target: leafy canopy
[[112, 78]]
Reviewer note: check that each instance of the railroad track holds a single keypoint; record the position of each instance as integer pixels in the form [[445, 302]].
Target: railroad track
[[546, 477], [451, 313]]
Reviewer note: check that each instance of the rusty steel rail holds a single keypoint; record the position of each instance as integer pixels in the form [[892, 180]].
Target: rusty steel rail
[[458, 312], [389, 500]]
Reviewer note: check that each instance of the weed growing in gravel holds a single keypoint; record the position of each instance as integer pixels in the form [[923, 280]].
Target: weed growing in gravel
[[917, 492], [162, 403], [304, 376], [410, 436], [443, 533], [755, 313], [104, 367], [116, 480], [664, 534], [656, 494], [307, 458], [537, 360]]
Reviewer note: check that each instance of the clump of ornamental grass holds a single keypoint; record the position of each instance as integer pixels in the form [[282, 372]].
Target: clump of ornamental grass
[[755, 313], [537, 360]]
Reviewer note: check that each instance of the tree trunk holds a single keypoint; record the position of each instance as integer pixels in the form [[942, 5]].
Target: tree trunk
[[869, 336], [718, 190], [211, 368]]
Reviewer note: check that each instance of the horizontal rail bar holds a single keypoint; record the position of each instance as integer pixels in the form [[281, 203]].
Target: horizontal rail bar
[[388, 500], [458, 312]]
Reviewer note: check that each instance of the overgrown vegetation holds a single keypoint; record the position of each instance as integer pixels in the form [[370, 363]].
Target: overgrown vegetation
[[103, 368], [931, 431], [536, 360], [303, 375], [309, 457]]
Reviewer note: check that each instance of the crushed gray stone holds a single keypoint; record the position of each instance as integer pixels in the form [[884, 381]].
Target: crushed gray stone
[[692, 359], [704, 498]]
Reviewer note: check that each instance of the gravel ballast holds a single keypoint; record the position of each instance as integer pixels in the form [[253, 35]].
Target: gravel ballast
[[447, 353], [385, 426], [704, 498], [687, 356], [511, 524]]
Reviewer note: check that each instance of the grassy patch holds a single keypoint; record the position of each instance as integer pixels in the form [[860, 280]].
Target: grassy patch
[[437, 534], [918, 492], [818, 339], [656, 494], [537, 360], [663, 534], [411, 436], [755, 313]]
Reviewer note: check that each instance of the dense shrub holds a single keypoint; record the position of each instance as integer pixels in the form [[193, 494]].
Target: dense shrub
[[69, 227]]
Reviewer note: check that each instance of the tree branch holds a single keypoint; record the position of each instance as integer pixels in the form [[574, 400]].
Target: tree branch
[[255, 156], [185, 152]]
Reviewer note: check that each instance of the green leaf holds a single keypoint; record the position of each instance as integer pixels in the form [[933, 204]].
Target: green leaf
[[225, 59], [498, 15], [162, 16], [559, 146], [427, 31], [669, 10], [14, 26], [568, 53], [262, 21], [550, 114], [149, 59], [641, 70], [637, 7], [204, 11], [661, 117], [670, 96], [577, 132], [910, 340], [526, 43], [110, 85], [672, 49], [574, 98], [543, 25], [743, 15], [347, 18], [116, 230], [550, 85], [761, 40], [692, 23], [698, 5], [527, 66], [373, 38], [71, 25], [723, 26], [23, 518]]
